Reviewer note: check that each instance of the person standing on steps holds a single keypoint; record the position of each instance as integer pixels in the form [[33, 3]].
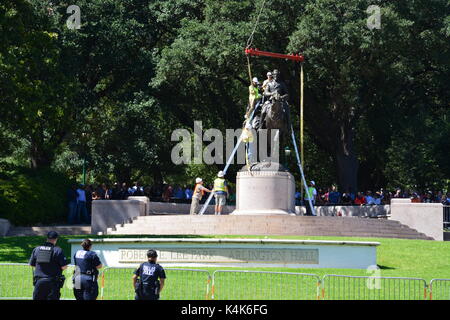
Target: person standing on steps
[[220, 193], [199, 191], [310, 194]]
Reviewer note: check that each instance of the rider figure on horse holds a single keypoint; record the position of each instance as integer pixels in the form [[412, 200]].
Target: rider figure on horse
[[275, 90]]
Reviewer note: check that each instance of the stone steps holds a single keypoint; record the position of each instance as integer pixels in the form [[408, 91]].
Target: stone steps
[[161, 225], [265, 219], [43, 230], [299, 233], [311, 231], [329, 225], [268, 225]]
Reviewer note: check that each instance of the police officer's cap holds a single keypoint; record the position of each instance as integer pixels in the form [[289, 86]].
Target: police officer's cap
[[52, 235], [152, 253]]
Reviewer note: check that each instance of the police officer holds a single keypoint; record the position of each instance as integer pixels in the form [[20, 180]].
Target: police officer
[[49, 261], [85, 277], [148, 287]]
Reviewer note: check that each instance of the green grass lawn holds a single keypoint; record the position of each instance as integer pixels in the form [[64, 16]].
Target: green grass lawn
[[395, 258]]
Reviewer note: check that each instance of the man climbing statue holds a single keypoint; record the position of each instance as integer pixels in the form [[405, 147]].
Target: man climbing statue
[[254, 97]]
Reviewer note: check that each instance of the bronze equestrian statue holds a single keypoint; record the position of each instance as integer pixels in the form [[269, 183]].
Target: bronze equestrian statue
[[275, 114]]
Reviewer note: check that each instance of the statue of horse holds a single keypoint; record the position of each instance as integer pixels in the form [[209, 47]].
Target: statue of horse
[[275, 116]]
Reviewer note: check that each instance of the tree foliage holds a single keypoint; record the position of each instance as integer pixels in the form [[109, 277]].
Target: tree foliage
[[376, 101]]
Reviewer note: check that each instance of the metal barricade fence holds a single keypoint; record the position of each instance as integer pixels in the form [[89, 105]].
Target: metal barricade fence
[[337, 287], [440, 289], [446, 217], [181, 284], [261, 285], [16, 282]]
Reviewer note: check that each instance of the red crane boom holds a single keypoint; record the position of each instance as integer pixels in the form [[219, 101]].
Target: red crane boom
[[256, 52]]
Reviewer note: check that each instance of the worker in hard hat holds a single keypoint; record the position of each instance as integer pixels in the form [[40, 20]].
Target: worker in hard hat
[[220, 193], [254, 96], [310, 195], [199, 191]]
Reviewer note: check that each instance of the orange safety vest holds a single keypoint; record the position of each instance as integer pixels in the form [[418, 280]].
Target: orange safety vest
[[197, 191]]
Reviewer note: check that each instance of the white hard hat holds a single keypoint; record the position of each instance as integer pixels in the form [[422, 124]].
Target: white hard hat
[[220, 174], [255, 79], [269, 73], [312, 182], [198, 180]]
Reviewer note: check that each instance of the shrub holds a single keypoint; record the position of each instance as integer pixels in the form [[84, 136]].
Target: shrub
[[33, 197]]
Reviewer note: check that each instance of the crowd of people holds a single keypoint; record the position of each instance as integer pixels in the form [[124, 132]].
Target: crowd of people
[[80, 197], [331, 196]]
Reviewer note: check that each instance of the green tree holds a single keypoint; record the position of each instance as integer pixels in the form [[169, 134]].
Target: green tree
[[355, 72], [114, 90], [118, 124], [36, 93]]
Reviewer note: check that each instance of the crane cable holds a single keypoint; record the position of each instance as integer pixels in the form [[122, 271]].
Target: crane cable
[[302, 159], [250, 39], [249, 43]]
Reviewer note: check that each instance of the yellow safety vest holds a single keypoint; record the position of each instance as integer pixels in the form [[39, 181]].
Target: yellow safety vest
[[219, 185], [256, 93], [253, 94], [309, 193]]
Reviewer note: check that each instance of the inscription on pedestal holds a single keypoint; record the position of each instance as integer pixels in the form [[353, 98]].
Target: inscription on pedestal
[[224, 255]]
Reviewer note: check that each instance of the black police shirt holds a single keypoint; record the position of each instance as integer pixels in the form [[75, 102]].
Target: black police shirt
[[150, 272], [87, 261], [51, 269]]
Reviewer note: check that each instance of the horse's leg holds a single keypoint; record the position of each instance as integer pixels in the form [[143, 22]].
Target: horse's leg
[[269, 143], [274, 144]]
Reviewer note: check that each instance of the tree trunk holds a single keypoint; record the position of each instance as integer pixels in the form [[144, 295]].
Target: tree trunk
[[346, 160], [38, 158], [157, 177], [124, 175]]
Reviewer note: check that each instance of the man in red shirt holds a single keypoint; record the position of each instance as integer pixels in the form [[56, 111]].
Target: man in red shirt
[[360, 199]]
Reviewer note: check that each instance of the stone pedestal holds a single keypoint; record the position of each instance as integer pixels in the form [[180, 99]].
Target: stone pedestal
[[264, 193]]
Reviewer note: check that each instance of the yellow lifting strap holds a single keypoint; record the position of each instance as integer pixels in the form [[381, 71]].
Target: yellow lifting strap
[[302, 160], [249, 69], [249, 111]]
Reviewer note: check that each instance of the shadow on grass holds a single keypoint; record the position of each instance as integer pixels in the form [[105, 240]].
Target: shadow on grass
[[18, 249], [385, 267]]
